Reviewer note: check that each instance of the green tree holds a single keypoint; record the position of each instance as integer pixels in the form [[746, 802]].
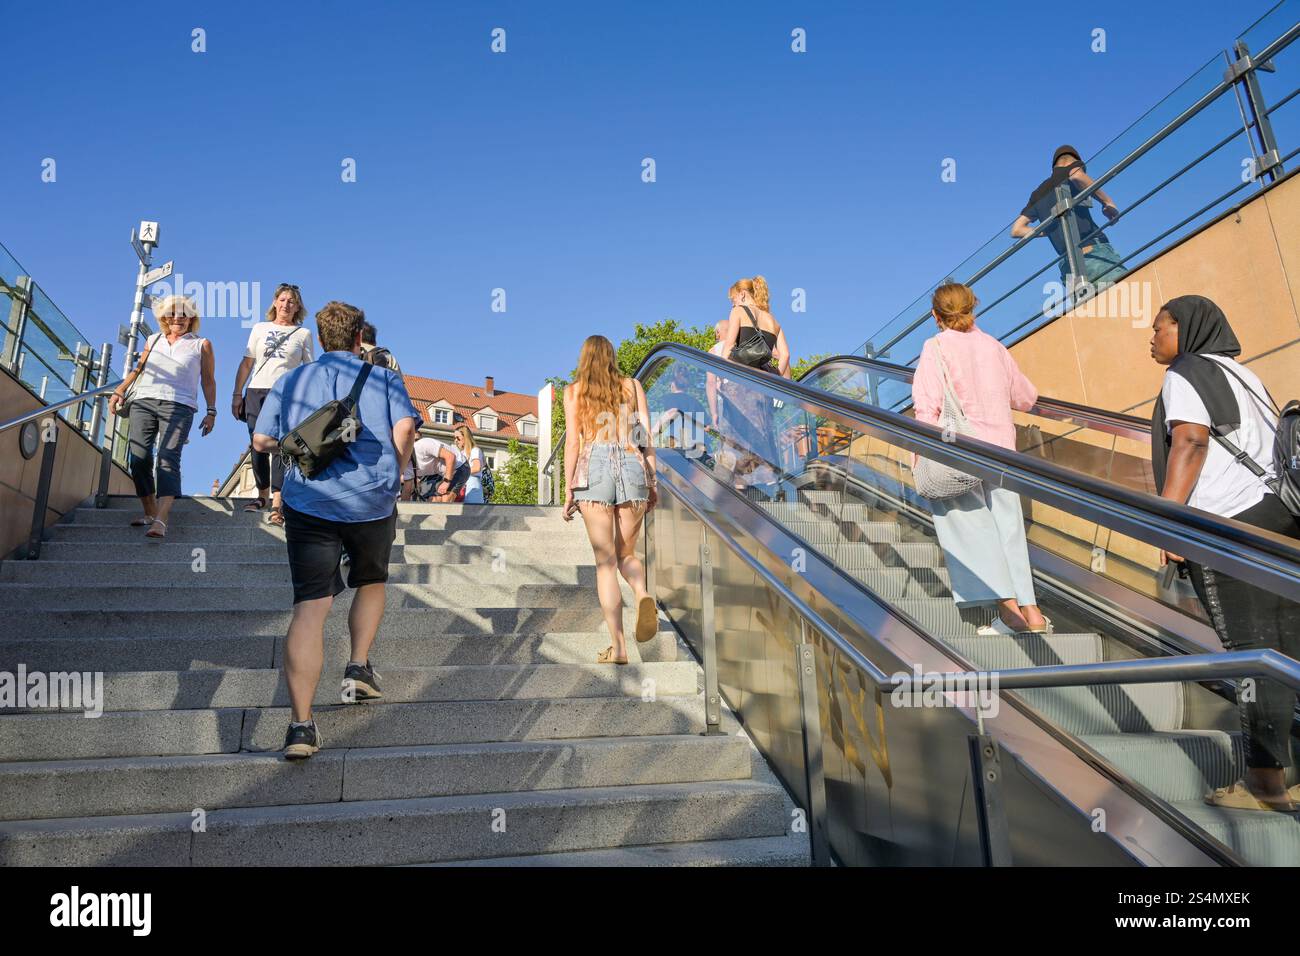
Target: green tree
[[517, 480], [804, 364]]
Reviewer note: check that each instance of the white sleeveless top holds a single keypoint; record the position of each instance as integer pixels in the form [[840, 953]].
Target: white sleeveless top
[[172, 372]]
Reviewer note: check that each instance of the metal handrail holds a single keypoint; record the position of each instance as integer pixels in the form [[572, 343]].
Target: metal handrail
[[1237, 549], [1154, 140], [44, 410], [1114, 423]]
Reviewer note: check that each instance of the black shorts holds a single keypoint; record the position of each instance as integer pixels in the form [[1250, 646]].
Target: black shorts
[[316, 545]]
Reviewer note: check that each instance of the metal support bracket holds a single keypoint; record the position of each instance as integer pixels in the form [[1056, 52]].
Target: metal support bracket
[[712, 696], [990, 804], [814, 772]]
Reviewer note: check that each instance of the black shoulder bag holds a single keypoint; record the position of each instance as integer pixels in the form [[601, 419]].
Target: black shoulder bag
[[325, 434], [754, 351]]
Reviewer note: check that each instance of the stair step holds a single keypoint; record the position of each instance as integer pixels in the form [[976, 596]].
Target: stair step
[[386, 832], [272, 550], [141, 785], [208, 504], [216, 689], [169, 652], [71, 736], [755, 851], [498, 572], [206, 518], [528, 542]]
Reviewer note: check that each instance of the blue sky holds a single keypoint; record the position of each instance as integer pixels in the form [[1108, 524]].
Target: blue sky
[[522, 170]]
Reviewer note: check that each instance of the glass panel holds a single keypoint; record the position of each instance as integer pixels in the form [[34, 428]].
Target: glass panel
[[849, 493]]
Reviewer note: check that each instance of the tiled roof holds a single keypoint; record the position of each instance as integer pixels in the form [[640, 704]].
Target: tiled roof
[[466, 400]]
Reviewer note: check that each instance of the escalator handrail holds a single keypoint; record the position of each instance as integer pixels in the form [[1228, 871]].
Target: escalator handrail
[[1229, 546], [1114, 423]]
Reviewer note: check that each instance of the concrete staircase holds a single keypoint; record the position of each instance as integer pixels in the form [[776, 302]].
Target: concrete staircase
[[500, 740]]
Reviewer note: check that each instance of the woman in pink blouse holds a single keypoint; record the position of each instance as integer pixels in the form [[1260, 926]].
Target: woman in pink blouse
[[982, 532]]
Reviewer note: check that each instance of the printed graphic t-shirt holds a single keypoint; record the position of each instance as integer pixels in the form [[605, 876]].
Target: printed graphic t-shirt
[[276, 349]]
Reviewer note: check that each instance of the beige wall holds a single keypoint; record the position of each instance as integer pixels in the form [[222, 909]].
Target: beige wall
[[1248, 262], [76, 470]]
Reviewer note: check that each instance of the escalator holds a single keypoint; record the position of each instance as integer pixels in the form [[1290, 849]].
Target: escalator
[[812, 481]]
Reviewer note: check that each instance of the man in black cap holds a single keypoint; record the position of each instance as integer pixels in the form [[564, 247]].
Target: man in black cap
[[1099, 260]]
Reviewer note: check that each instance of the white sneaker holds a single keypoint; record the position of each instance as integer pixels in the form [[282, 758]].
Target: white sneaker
[[998, 627]]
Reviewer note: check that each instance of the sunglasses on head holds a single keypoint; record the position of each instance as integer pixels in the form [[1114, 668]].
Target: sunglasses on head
[[287, 285]]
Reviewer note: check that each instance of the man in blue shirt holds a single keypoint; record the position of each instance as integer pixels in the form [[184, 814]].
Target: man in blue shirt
[[1100, 262], [352, 504]]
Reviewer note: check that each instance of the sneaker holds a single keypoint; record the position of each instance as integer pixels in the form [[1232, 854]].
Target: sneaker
[[301, 742], [361, 684]]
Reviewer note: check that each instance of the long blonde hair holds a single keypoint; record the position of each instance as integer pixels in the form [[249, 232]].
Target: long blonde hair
[[599, 397], [465, 433], [757, 289]]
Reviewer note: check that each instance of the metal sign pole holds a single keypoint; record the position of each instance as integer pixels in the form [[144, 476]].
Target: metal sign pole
[[144, 245]]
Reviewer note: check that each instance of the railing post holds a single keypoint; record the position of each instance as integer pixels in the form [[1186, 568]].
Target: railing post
[[814, 772], [651, 557], [98, 408], [990, 806], [1070, 235], [43, 488], [712, 697], [13, 344], [1268, 162]]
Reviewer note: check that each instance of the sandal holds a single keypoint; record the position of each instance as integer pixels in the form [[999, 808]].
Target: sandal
[[1239, 797], [607, 657], [142, 522], [276, 517], [153, 529], [255, 505], [647, 619], [1047, 627]]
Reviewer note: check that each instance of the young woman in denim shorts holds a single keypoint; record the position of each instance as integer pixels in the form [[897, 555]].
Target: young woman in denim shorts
[[610, 478]]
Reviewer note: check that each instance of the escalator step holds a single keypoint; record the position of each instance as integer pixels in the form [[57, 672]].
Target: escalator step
[[1260, 837], [1177, 765], [894, 584], [1028, 650], [1111, 708]]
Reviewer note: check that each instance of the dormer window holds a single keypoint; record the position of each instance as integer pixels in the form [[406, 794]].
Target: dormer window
[[485, 421]]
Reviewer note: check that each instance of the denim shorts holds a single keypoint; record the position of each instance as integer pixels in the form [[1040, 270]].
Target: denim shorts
[[616, 476]]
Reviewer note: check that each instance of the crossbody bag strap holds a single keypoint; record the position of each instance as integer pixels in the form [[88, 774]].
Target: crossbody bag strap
[[355, 395], [948, 388]]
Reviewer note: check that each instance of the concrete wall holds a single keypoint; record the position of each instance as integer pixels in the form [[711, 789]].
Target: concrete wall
[[76, 470]]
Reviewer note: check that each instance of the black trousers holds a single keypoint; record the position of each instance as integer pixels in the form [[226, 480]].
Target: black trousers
[[1247, 618], [268, 469]]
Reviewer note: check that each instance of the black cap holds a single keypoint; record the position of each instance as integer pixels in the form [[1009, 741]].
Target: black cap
[[1063, 151]]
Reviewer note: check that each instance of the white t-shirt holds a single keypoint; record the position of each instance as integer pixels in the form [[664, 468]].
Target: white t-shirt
[[1226, 487], [475, 481], [428, 458], [276, 349]]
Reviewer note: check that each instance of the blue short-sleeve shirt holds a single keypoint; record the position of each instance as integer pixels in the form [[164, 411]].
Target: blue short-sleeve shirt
[[363, 483]]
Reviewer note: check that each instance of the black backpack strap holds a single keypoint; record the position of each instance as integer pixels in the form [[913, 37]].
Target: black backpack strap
[[355, 395], [1253, 394], [1240, 457]]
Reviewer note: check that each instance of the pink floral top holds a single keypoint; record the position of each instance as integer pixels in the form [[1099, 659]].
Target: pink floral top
[[987, 380]]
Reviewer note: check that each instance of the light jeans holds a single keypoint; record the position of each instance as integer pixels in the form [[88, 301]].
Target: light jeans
[[982, 533]]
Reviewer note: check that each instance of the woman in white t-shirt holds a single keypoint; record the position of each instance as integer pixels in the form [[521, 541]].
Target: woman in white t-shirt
[[474, 455], [1205, 390], [276, 346]]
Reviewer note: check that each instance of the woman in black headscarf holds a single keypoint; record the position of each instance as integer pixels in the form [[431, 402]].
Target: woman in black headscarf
[[1206, 391]]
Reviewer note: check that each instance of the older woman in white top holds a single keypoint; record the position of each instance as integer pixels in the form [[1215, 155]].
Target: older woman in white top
[[166, 399]]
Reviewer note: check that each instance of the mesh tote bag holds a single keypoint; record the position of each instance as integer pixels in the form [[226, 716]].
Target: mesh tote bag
[[935, 480]]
